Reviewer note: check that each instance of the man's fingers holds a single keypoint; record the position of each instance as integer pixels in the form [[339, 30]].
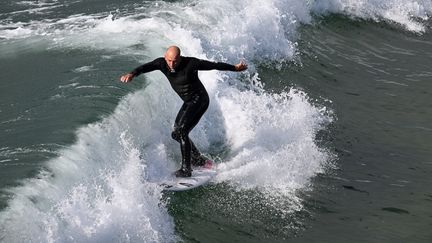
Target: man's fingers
[[241, 66], [126, 78]]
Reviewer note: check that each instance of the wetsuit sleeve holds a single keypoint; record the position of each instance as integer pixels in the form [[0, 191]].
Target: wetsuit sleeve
[[207, 65], [148, 67]]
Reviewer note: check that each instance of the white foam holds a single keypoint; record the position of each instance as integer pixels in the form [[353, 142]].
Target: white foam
[[96, 190], [84, 69], [262, 29], [404, 12], [13, 32], [272, 142], [269, 28], [38, 3]]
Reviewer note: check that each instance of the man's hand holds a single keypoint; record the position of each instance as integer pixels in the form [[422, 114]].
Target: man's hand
[[241, 66], [127, 78]]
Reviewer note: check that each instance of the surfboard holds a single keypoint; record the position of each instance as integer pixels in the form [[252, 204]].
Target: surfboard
[[200, 176]]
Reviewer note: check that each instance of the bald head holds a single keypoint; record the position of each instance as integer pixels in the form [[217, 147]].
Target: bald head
[[173, 51], [172, 57]]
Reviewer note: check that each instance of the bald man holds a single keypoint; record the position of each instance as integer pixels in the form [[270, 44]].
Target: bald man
[[182, 73]]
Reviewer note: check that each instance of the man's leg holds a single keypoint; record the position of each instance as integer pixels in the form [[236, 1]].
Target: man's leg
[[197, 159], [185, 147], [187, 118], [195, 153]]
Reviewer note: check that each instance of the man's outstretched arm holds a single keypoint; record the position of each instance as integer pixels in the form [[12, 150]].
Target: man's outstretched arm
[[208, 65], [147, 67]]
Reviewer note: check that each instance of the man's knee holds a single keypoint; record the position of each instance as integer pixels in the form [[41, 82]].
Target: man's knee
[[179, 134], [175, 135]]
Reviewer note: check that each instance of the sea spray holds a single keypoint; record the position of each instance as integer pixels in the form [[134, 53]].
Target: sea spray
[[94, 191]]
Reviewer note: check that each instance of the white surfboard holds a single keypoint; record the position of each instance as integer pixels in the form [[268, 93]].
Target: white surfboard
[[200, 176]]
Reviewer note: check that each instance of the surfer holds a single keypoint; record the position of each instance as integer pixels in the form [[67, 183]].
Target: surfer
[[182, 73]]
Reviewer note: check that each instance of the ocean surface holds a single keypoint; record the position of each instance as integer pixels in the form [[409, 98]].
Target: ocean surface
[[327, 137]]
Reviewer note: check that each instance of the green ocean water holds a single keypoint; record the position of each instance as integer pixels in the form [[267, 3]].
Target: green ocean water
[[357, 145]]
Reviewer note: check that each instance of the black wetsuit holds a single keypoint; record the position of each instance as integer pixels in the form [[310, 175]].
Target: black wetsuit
[[184, 80]]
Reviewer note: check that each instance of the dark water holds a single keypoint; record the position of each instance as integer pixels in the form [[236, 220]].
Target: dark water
[[342, 154], [379, 80]]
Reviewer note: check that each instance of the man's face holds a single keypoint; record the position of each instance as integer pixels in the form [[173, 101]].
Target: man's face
[[172, 59]]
